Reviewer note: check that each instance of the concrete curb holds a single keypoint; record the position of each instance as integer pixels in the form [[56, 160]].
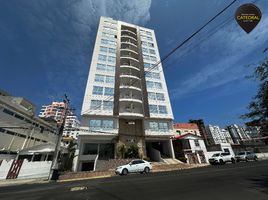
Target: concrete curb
[[86, 178]]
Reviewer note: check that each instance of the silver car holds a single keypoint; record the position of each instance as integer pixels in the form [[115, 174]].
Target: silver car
[[246, 156]]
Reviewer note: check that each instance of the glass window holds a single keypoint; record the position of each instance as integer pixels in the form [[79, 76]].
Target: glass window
[[94, 124], [111, 59], [160, 97], [151, 95], [145, 50], [143, 43], [152, 51], [110, 68], [196, 142], [102, 57], [101, 67], [104, 41], [153, 126], [112, 50], [148, 33], [95, 105], [90, 149], [147, 65], [103, 49], [158, 85], [8, 112], [99, 78], [150, 84], [163, 126], [109, 79], [153, 58], [107, 124], [150, 44], [109, 91], [162, 109], [107, 105], [153, 108], [146, 57], [150, 38], [97, 90]]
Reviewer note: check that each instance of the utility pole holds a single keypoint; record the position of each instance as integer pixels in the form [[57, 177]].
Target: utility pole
[[55, 166]]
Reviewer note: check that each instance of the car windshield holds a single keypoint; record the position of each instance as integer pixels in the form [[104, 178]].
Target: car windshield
[[241, 153], [216, 155]]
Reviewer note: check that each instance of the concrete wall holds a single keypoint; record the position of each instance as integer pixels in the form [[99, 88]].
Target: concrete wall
[[4, 168], [262, 156], [34, 169]]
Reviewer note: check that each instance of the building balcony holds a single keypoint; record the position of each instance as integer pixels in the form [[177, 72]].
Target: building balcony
[[130, 87], [127, 46], [129, 29], [130, 115], [129, 98], [130, 37], [129, 57], [128, 32], [129, 67], [127, 51], [130, 76]]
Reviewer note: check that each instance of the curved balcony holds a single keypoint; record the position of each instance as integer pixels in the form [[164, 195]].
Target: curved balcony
[[130, 71], [128, 40], [126, 51], [126, 46], [130, 76], [129, 62], [130, 109], [129, 67], [130, 29], [129, 87], [126, 99], [128, 32], [130, 37], [129, 57]]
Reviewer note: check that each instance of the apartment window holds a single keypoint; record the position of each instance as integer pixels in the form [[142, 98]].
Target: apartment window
[[90, 149], [153, 108], [162, 109], [148, 33], [109, 91], [160, 97], [95, 105], [196, 142], [104, 41], [152, 75], [151, 95], [152, 51], [153, 58], [158, 85], [8, 112], [109, 79], [107, 105], [101, 67], [110, 68], [146, 57], [99, 78], [145, 50], [19, 117], [147, 65], [112, 50], [143, 43], [150, 84], [163, 126], [150, 44], [111, 59], [153, 126], [103, 49], [95, 124], [102, 58], [97, 90], [107, 124], [149, 38]]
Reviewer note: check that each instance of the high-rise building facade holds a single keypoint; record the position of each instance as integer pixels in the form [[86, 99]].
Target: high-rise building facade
[[219, 135], [126, 100]]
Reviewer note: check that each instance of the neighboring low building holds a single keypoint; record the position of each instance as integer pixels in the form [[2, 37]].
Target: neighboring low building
[[183, 128], [218, 135], [190, 146], [19, 128]]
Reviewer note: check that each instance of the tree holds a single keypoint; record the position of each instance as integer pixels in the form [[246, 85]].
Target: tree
[[258, 107], [68, 163]]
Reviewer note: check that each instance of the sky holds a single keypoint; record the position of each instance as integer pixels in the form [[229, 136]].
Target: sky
[[46, 48]]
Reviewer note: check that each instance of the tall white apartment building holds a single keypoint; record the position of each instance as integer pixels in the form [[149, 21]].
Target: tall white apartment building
[[219, 135], [126, 100]]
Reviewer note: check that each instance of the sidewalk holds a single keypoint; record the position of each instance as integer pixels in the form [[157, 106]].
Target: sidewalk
[[12, 182]]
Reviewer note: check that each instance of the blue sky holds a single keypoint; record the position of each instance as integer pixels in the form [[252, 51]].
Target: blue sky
[[46, 48]]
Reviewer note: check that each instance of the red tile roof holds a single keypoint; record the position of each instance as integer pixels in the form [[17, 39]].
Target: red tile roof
[[185, 126]]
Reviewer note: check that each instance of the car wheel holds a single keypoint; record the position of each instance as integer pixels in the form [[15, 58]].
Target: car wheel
[[233, 160], [237, 160], [255, 158], [124, 172], [146, 170], [246, 159], [221, 162]]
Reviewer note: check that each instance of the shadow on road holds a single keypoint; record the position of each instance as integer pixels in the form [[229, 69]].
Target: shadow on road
[[260, 183]]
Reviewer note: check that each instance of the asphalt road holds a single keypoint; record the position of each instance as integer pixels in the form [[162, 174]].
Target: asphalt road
[[245, 181]]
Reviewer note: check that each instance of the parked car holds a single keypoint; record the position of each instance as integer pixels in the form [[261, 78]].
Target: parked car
[[246, 156], [135, 166], [221, 158]]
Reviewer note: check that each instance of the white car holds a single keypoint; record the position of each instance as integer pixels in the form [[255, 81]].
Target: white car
[[135, 166], [221, 158]]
